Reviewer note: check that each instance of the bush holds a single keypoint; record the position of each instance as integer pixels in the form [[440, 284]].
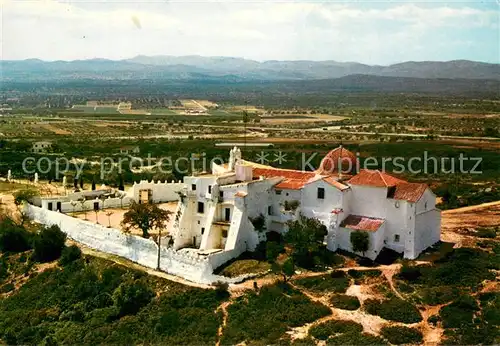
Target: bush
[[409, 273], [342, 301], [459, 313], [438, 295], [7, 288], [486, 232], [273, 249], [398, 335], [356, 339], [13, 238], [330, 328], [70, 254], [434, 320], [131, 297], [360, 241], [265, 316], [394, 309], [49, 243], [245, 266], [362, 276], [324, 283], [221, 289]]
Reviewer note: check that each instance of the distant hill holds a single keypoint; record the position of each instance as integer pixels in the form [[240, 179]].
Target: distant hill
[[198, 67]]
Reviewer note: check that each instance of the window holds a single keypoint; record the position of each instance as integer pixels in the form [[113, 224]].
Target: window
[[270, 210], [49, 206], [202, 230], [396, 238], [396, 204], [209, 188], [227, 214], [425, 205], [278, 192], [321, 193], [193, 187], [221, 194], [201, 207]]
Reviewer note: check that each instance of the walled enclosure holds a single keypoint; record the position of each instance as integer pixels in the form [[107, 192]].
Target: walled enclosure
[[187, 265]]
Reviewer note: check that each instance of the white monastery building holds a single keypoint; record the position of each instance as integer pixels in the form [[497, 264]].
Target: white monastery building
[[218, 211], [230, 210]]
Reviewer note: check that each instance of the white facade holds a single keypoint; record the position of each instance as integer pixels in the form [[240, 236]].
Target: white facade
[[229, 211], [217, 209]]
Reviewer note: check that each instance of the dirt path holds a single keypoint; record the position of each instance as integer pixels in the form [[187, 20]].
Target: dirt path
[[220, 331], [472, 207]]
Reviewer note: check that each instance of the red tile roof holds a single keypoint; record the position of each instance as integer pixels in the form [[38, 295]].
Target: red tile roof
[[241, 194], [293, 180], [338, 157], [374, 178], [399, 189], [410, 192], [331, 180], [362, 223]]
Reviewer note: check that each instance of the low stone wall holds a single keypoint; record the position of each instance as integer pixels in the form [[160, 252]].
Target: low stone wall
[[190, 266]]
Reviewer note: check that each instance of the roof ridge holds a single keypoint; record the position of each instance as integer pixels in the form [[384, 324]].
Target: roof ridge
[[381, 176]]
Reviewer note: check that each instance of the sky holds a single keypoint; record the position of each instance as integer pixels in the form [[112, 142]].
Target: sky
[[371, 32]]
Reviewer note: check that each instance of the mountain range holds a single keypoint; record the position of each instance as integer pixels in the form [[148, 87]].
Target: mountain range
[[234, 69]]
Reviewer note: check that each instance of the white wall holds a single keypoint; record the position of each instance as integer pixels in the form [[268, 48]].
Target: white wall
[[376, 241], [189, 266], [396, 223], [427, 230], [162, 192], [368, 201], [426, 202]]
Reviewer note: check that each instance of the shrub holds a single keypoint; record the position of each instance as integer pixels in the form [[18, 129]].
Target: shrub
[[70, 254], [245, 266], [330, 328], [342, 301], [438, 295], [131, 297], [484, 232], [404, 287], [459, 313], [394, 309], [49, 243], [324, 283], [362, 276], [434, 320], [265, 316], [221, 289], [356, 339], [463, 267], [360, 241], [13, 238], [409, 273], [7, 287], [398, 335], [273, 249]]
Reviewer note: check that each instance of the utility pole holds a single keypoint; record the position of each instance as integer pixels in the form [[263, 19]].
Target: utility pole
[[245, 120], [159, 248]]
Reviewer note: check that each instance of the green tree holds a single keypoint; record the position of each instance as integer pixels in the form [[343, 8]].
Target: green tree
[[21, 197], [131, 297], [360, 241], [145, 216], [49, 244], [13, 237], [305, 236], [287, 269]]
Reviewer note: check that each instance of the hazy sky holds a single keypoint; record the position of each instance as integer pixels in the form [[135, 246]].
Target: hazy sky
[[381, 32]]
